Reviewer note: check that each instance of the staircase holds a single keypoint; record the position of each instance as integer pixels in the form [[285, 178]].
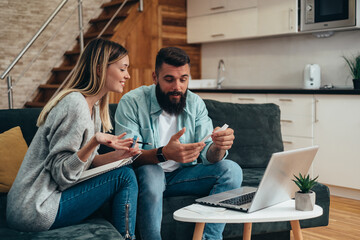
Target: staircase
[[171, 32], [58, 74]]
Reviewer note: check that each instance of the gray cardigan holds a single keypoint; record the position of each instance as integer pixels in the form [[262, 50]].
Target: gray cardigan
[[51, 164]]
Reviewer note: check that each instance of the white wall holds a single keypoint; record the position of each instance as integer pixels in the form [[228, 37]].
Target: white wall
[[280, 61]]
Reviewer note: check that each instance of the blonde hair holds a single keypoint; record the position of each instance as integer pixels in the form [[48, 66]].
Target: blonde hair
[[98, 53]]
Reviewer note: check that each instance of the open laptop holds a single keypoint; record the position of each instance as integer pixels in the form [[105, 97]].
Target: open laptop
[[275, 187]]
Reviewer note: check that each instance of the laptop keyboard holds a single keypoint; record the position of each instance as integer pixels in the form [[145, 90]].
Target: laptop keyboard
[[240, 200]]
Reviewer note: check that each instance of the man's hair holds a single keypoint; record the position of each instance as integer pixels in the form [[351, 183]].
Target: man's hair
[[171, 55]]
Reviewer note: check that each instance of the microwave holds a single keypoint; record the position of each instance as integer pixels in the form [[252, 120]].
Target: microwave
[[328, 15]]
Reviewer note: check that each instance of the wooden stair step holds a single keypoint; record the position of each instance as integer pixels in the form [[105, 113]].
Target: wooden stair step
[[35, 104], [72, 52], [63, 69], [107, 18], [116, 3], [49, 86], [107, 33]]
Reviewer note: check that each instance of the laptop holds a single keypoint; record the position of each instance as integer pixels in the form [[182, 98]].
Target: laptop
[[275, 187]]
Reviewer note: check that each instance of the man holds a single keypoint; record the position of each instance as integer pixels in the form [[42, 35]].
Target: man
[[175, 121]]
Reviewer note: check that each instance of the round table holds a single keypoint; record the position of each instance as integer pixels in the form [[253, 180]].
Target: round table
[[285, 211]]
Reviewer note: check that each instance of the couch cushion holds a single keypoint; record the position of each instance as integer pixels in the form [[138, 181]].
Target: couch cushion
[[12, 151], [257, 130], [24, 118], [90, 229], [252, 176]]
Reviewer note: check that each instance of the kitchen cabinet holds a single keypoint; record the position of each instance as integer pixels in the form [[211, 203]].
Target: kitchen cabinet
[[277, 17], [219, 20], [330, 121], [197, 8], [222, 26], [248, 98], [337, 132], [296, 119]]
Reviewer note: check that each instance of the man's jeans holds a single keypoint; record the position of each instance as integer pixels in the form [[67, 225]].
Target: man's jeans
[[199, 180], [118, 186]]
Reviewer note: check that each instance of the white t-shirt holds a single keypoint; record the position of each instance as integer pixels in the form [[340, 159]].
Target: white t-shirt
[[167, 128]]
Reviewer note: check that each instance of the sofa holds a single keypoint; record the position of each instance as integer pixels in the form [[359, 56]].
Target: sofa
[[257, 136]]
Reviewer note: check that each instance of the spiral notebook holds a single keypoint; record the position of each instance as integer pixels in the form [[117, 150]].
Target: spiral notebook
[[92, 172]]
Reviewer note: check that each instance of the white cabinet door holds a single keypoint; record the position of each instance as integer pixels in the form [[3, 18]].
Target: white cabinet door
[[248, 98], [219, 20], [296, 114], [197, 8], [291, 142], [296, 119], [222, 26], [277, 17], [337, 132]]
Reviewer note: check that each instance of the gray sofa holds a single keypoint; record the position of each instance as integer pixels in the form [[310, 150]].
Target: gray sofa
[[257, 136]]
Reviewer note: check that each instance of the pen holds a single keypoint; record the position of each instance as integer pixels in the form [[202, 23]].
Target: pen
[[134, 141], [145, 143]]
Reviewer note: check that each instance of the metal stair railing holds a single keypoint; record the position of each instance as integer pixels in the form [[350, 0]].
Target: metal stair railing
[[28, 45], [141, 8], [6, 74]]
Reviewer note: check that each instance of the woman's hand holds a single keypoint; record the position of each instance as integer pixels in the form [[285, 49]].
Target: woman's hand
[[122, 148], [115, 142]]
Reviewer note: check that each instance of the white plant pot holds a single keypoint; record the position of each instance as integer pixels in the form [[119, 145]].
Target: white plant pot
[[305, 201]]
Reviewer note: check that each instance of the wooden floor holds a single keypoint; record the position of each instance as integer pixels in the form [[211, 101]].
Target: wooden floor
[[344, 223]]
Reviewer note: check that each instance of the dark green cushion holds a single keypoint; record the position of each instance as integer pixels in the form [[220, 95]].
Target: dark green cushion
[[97, 228], [257, 130], [25, 118]]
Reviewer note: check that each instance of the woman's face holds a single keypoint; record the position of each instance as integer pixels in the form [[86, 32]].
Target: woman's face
[[117, 74]]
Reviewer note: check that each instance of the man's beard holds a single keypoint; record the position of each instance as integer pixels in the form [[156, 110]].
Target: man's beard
[[167, 105]]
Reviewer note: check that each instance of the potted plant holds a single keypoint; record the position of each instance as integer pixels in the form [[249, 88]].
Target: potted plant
[[354, 66], [305, 198]]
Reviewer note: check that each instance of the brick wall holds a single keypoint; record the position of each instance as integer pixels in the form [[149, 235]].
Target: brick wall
[[19, 21]]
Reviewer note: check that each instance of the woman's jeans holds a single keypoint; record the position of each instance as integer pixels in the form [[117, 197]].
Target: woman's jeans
[[118, 186], [198, 180]]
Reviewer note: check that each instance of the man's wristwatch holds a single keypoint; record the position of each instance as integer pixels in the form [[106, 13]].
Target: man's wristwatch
[[160, 156]]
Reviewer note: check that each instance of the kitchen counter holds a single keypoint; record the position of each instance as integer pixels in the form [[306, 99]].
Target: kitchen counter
[[339, 91]]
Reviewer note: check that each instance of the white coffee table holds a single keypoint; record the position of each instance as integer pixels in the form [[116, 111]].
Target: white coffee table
[[281, 212]]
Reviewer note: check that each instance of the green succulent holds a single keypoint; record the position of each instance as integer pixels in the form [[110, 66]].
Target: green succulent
[[354, 66], [304, 183]]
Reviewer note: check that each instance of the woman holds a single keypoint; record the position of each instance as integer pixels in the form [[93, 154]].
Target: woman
[[45, 194]]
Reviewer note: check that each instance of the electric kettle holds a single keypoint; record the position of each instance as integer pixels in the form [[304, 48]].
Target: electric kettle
[[312, 76]]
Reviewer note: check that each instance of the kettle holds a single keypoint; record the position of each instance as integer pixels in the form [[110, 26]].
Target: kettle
[[312, 76]]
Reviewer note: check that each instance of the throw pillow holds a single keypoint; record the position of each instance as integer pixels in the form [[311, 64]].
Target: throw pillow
[[12, 151]]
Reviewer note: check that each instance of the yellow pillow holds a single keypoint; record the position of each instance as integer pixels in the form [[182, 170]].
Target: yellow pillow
[[12, 151]]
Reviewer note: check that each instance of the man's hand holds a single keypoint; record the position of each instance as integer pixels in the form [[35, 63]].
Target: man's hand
[[182, 153], [223, 140]]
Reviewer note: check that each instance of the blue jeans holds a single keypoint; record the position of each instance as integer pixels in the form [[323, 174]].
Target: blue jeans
[[199, 180], [118, 186]]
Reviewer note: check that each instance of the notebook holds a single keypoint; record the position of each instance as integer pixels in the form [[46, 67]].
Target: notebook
[[275, 187], [92, 172]]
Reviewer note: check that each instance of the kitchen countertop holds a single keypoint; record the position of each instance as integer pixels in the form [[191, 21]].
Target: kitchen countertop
[[340, 91]]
